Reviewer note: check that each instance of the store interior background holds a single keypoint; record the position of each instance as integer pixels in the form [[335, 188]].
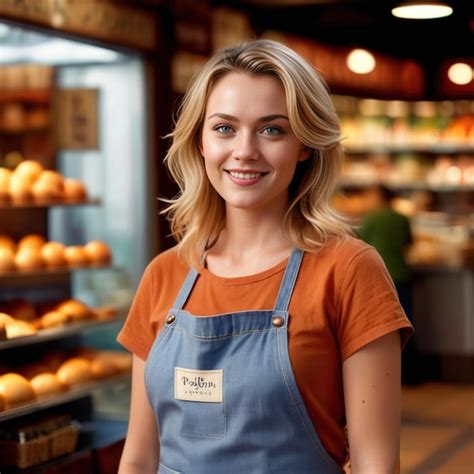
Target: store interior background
[[406, 124]]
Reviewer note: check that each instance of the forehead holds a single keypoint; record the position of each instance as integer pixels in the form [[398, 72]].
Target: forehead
[[247, 93]]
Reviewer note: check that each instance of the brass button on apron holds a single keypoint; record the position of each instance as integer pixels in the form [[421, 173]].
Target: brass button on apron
[[278, 321], [170, 319]]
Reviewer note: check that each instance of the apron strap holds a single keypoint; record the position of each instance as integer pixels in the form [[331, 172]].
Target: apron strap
[[284, 293], [289, 280], [185, 291]]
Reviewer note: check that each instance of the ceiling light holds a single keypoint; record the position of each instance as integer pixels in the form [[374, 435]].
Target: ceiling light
[[360, 61], [422, 10], [460, 73]]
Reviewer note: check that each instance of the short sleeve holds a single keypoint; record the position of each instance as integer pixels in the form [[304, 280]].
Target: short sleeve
[[368, 306], [138, 332]]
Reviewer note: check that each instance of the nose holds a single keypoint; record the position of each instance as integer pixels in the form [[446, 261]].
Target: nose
[[245, 147]]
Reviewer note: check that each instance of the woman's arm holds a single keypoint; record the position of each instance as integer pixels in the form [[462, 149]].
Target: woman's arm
[[141, 451], [372, 399]]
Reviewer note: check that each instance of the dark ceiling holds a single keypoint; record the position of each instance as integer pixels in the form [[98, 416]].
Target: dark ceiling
[[368, 23]]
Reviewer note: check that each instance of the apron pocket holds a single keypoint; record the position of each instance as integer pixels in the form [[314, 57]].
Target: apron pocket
[[166, 470], [203, 419]]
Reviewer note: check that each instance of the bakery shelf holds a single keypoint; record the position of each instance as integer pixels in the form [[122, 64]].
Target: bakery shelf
[[49, 271], [437, 148], [45, 204], [35, 96], [407, 186], [56, 333], [74, 393]]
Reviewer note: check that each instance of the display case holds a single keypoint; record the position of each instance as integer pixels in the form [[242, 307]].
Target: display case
[[37, 337]]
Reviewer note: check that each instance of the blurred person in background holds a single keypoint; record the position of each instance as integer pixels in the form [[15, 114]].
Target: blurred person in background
[[389, 232]]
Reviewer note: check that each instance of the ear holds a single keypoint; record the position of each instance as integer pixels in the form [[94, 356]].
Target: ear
[[305, 153]]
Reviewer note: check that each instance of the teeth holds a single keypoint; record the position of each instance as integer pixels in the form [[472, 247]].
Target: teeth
[[245, 175]]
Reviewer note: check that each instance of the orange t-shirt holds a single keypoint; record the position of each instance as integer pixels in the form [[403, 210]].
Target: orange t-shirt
[[343, 299]]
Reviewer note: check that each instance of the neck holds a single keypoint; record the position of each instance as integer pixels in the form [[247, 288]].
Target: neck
[[256, 233]]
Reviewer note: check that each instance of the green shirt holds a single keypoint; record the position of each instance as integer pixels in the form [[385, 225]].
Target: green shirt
[[389, 232]]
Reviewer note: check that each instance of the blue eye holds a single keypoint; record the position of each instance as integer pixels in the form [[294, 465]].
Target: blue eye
[[224, 129], [272, 131]]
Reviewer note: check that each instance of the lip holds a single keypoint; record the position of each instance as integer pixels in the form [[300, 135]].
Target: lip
[[245, 182]]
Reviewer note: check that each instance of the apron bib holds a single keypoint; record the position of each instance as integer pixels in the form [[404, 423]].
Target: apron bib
[[225, 395]]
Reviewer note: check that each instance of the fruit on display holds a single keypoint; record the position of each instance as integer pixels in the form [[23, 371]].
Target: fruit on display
[[29, 181]]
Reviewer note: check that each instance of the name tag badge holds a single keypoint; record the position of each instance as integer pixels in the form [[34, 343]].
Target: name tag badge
[[198, 385]]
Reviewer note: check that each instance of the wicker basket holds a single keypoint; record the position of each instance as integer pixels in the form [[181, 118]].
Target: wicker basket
[[63, 441], [41, 448]]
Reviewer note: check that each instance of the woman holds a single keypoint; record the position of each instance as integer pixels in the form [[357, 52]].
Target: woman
[[223, 383]]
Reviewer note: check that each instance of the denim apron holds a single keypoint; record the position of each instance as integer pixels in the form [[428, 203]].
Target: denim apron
[[225, 395]]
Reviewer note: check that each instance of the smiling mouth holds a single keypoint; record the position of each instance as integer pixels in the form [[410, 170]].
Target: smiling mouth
[[240, 175]]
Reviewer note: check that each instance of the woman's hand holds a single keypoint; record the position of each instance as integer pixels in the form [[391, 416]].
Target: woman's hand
[[141, 451], [372, 398]]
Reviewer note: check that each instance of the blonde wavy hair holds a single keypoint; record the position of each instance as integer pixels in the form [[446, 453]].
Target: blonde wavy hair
[[197, 214]]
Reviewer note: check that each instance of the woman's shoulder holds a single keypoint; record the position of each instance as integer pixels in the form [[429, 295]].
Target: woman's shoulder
[[341, 251], [168, 262]]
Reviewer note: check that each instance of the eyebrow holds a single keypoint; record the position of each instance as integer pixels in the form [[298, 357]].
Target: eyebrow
[[267, 118]]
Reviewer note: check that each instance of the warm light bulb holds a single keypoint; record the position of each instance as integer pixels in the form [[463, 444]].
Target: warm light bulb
[[460, 73], [422, 10], [360, 61]]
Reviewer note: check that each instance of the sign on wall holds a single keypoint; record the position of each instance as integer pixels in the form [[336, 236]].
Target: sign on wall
[[76, 114]]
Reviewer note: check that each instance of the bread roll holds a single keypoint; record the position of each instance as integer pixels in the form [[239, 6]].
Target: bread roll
[[75, 310], [53, 360], [98, 251], [6, 241], [74, 190], [17, 328], [103, 367], [76, 255], [7, 259], [75, 371], [29, 169], [53, 319], [28, 258], [20, 188], [45, 191], [46, 384], [53, 178], [53, 254], [5, 175], [121, 360], [20, 308], [31, 240], [15, 389]]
